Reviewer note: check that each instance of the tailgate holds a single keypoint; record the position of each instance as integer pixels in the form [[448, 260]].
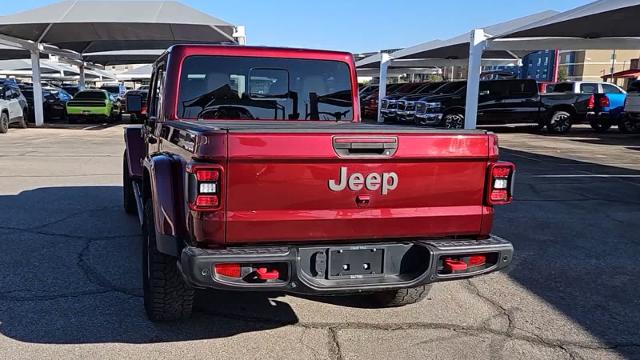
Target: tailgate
[[633, 103], [333, 187]]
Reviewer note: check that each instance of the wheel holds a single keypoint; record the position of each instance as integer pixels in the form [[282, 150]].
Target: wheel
[[599, 125], [454, 121], [401, 297], [167, 297], [23, 121], [129, 199], [560, 122], [4, 123], [627, 125]]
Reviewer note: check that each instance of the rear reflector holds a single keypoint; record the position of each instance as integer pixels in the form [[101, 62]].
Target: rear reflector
[[499, 195], [206, 201], [230, 270]]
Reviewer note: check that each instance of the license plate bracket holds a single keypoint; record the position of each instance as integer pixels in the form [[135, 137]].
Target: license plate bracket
[[358, 262]]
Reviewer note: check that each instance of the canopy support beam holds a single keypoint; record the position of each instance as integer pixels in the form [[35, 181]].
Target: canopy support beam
[[38, 110], [477, 46], [385, 60], [82, 79]]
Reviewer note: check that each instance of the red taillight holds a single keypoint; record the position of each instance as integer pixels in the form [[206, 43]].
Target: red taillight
[[203, 187], [206, 201], [500, 183], [230, 270], [604, 101], [591, 103]]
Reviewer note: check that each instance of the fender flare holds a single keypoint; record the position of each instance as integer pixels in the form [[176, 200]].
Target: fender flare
[[158, 184], [134, 150]]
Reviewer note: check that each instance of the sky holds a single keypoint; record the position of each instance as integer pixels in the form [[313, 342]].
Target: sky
[[355, 26]]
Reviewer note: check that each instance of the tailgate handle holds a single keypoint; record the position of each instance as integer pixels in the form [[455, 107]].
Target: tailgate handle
[[365, 146]]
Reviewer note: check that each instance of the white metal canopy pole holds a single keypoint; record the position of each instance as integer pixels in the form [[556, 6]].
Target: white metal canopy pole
[[385, 59], [476, 47], [38, 111], [81, 80]]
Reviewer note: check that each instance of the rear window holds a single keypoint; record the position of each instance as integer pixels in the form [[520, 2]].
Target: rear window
[[111, 89], [248, 88], [563, 87], [90, 95], [634, 87], [589, 88]]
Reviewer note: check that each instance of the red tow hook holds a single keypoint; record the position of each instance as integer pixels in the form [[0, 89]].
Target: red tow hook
[[455, 265], [264, 274]]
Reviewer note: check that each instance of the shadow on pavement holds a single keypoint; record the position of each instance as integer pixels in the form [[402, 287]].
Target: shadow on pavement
[[71, 274], [71, 262], [576, 242]]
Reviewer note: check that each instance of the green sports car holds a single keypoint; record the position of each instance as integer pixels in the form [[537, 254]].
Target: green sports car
[[93, 104]]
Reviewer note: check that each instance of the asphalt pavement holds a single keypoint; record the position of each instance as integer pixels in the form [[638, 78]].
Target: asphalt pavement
[[70, 278]]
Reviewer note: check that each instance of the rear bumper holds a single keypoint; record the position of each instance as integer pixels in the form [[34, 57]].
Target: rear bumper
[[404, 265], [88, 111]]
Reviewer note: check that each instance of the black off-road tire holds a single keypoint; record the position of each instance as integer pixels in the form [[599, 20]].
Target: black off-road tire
[[128, 198], [23, 122], [560, 122], [600, 126], [167, 297], [401, 297], [4, 123], [453, 121]]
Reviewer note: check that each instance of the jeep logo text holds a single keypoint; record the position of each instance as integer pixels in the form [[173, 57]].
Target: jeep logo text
[[372, 182]]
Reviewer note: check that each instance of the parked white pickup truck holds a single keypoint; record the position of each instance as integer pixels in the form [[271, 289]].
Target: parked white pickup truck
[[630, 122]]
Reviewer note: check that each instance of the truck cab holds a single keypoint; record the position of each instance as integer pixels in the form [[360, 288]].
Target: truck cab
[[253, 172]]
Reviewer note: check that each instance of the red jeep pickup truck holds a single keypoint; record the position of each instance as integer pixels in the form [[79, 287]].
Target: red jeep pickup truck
[[253, 172]]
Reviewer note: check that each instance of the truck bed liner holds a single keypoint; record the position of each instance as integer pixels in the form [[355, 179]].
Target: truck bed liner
[[310, 127]]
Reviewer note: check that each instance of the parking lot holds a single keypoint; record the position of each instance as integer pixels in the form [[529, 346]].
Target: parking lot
[[70, 281]]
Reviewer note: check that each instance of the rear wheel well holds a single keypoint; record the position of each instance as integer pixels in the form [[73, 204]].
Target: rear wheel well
[[454, 110], [566, 108]]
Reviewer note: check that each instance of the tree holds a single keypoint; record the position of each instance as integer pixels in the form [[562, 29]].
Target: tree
[[562, 73]]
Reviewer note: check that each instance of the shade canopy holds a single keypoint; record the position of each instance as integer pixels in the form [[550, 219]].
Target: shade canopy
[[106, 25], [140, 73], [458, 47], [604, 18], [108, 58], [11, 53], [24, 65]]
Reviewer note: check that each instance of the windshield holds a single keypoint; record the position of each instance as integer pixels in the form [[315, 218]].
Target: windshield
[[90, 95], [450, 88], [634, 87], [247, 88]]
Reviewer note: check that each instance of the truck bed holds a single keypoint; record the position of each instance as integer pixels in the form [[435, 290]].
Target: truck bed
[[310, 126]]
